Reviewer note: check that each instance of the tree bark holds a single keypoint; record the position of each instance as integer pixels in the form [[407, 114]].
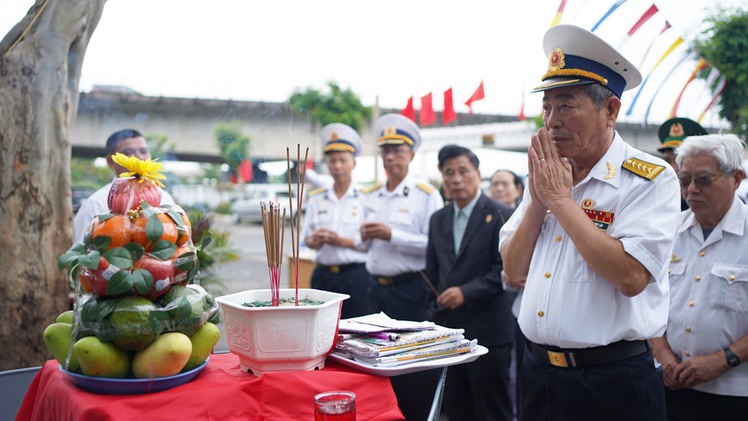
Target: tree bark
[[40, 67]]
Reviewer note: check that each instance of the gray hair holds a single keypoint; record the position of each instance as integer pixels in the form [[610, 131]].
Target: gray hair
[[727, 149], [598, 93]]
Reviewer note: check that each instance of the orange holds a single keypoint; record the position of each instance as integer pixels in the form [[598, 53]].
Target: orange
[[117, 228], [139, 235], [186, 234]]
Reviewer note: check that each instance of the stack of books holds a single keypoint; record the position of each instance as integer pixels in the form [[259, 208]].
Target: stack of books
[[380, 341]]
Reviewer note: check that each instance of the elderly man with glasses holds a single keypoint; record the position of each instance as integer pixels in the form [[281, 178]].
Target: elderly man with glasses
[[707, 333]]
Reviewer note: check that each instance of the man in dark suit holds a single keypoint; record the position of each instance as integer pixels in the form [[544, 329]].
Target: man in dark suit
[[463, 263]]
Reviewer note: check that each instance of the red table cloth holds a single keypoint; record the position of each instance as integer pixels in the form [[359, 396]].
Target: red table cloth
[[220, 392]]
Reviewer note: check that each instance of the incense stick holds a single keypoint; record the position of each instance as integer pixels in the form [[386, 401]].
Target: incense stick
[[272, 229], [296, 228]]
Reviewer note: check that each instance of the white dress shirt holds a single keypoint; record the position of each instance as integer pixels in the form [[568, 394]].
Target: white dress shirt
[[406, 210], [709, 294], [565, 302], [344, 216]]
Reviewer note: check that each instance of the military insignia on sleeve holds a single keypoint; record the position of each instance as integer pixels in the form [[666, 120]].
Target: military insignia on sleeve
[[428, 188], [370, 189], [643, 168], [601, 219]]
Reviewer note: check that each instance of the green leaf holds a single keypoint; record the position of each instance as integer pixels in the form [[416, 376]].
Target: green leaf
[[184, 309], [163, 249], [105, 308], [120, 283], [142, 280], [136, 251], [102, 242], [158, 321], [104, 217], [205, 242], [119, 257], [147, 210], [176, 217], [90, 260], [71, 256], [154, 228], [88, 307]]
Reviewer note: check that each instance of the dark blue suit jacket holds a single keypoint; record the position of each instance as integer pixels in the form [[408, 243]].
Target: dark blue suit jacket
[[476, 268]]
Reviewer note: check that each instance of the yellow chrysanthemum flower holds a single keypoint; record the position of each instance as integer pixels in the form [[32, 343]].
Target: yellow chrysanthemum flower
[[145, 170]]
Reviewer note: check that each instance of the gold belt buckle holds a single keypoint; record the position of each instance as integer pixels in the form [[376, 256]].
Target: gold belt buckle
[[557, 358], [385, 281], [335, 269]]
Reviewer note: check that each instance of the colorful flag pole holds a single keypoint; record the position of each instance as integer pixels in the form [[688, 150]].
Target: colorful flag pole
[[700, 65], [610, 11], [675, 45], [559, 12]]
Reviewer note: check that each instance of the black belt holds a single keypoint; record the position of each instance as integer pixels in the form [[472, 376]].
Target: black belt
[[341, 268], [588, 356], [388, 281]]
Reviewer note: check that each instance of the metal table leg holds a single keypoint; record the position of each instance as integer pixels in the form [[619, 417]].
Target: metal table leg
[[436, 404]]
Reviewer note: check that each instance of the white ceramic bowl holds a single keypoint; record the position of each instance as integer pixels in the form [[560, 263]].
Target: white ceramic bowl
[[284, 338]]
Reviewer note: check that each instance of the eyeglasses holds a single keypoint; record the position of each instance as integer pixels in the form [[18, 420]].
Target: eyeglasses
[[700, 181]]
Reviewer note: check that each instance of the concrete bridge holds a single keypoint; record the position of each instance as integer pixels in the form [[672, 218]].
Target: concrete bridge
[[189, 124]]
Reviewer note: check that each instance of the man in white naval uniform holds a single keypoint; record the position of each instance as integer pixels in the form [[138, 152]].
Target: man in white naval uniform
[[592, 236], [332, 221], [396, 233], [397, 224]]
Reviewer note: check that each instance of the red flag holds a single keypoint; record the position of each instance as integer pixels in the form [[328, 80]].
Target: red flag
[[409, 111], [643, 19], [245, 170], [427, 114], [478, 95], [448, 115]]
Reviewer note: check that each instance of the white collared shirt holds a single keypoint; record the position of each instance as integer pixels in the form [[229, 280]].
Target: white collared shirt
[[344, 216], [709, 293], [565, 302], [406, 210]]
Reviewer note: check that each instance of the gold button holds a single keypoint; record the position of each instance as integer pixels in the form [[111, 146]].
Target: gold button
[[688, 354], [731, 277], [558, 238], [688, 328], [691, 303], [701, 253], [697, 277], [547, 275], [668, 271], [540, 313]]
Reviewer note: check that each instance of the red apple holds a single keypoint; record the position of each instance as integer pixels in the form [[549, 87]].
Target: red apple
[[97, 280], [162, 272]]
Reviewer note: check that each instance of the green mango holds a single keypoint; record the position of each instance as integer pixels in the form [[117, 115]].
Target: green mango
[[65, 317], [101, 359], [59, 340], [166, 356], [203, 342]]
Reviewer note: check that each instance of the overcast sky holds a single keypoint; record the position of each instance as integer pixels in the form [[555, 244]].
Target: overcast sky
[[385, 49]]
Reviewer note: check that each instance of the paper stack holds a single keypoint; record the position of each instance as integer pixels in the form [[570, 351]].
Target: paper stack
[[378, 340]]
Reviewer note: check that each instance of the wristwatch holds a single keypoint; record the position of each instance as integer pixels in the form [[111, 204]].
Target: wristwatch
[[732, 359]]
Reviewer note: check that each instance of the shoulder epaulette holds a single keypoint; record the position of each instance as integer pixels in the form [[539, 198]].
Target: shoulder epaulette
[[370, 189], [428, 188], [642, 168], [317, 191]]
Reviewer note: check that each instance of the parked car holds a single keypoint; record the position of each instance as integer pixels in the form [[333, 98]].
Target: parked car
[[248, 207], [79, 195]]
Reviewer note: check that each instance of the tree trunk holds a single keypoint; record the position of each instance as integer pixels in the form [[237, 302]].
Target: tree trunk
[[40, 66]]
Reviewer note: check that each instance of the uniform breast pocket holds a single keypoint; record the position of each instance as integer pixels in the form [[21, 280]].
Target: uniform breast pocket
[[324, 216], [730, 289], [403, 219]]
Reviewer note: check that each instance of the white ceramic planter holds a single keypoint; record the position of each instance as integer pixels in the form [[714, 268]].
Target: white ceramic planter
[[284, 338]]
